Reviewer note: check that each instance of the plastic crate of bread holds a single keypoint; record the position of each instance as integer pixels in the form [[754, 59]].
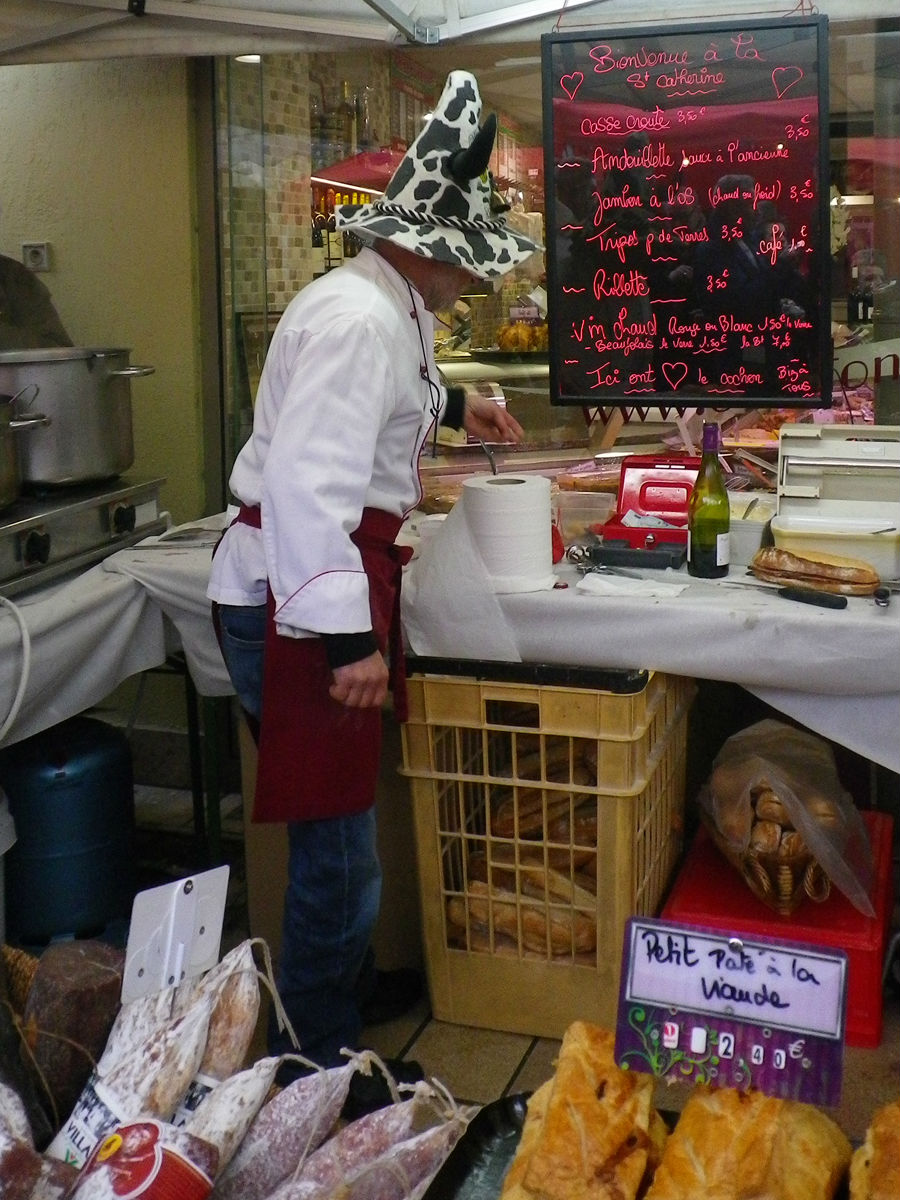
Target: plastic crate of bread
[[545, 817]]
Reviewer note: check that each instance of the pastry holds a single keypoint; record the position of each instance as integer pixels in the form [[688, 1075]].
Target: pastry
[[875, 1167], [594, 1136], [733, 1145]]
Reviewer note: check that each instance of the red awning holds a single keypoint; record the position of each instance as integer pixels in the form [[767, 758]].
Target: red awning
[[369, 171]]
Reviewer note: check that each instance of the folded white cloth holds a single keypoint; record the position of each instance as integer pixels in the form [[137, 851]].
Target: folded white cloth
[[620, 585]]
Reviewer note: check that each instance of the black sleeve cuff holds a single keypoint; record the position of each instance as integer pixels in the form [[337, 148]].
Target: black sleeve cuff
[[344, 648], [454, 413]]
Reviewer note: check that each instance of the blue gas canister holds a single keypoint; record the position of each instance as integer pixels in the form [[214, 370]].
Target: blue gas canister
[[71, 794]]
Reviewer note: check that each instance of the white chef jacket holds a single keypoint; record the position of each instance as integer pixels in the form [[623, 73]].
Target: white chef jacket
[[347, 398]]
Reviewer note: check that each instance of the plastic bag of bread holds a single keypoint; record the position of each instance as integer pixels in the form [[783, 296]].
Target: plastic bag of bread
[[775, 807], [598, 475]]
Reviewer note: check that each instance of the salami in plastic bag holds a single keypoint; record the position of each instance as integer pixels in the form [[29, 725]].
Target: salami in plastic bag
[[230, 1108], [150, 1077], [27, 1175], [148, 1159], [232, 987], [288, 1128]]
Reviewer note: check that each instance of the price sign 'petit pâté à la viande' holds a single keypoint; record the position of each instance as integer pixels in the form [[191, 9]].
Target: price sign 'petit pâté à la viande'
[[704, 1007]]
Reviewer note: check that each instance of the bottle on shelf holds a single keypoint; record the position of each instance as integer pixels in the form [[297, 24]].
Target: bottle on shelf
[[332, 127], [365, 132], [316, 125], [854, 299], [867, 303], [347, 120], [318, 244], [709, 513], [334, 242]]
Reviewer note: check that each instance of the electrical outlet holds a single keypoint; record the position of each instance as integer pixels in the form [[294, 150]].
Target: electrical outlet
[[36, 255]]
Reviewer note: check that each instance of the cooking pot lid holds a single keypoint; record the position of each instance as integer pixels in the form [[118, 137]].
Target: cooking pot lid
[[59, 354]]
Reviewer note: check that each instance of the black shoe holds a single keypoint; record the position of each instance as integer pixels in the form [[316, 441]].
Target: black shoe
[[367, 1093], [393, 994]]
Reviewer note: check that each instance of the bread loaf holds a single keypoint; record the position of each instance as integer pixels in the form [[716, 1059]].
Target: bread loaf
[[523, 813], [542, 925], [826, 572], [530, 874]]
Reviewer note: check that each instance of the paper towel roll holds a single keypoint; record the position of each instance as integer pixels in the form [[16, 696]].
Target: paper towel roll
[[509, 518]]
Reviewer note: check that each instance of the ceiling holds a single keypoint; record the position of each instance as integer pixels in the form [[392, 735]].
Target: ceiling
[[499, 40], [49, 30], [54, 30]]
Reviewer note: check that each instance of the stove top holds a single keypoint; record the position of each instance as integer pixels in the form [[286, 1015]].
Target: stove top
[[46, 535]]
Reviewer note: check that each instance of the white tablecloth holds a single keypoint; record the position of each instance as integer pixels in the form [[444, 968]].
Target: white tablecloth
[[87, 633], [173, 571], [835, 671]]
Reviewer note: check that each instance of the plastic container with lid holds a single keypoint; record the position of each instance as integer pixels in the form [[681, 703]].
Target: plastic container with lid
[[839, 493]]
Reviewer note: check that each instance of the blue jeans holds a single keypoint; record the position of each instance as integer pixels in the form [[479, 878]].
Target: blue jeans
[[333, 890]]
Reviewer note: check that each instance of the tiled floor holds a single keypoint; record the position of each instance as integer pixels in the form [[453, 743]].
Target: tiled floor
[[477, 1065]]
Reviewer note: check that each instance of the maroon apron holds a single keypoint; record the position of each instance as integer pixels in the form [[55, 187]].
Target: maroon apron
[[317, 757]]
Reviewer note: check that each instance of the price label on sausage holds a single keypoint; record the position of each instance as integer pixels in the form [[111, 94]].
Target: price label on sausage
[[727, 1010]]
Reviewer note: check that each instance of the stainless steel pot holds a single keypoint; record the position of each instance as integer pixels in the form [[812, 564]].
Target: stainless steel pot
[[86, 393], [11, 427]]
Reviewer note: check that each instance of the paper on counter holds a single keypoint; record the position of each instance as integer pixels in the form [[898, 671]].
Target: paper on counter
[[448, 604], [595, 584]]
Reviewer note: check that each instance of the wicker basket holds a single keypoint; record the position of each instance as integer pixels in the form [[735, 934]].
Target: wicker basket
[[781, 881], [18, 968]]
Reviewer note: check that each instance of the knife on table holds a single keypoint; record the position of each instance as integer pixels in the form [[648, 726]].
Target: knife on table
[[804, 595]]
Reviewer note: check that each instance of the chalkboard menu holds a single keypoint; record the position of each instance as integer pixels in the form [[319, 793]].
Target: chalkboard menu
[[687, 216]]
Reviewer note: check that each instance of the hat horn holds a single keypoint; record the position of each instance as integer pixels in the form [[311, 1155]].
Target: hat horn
[[468, 164]]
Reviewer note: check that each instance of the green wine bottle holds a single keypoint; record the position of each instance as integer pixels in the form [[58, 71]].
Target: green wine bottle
[[709, 515]]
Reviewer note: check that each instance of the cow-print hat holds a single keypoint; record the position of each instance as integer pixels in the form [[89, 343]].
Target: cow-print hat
[[438, 201]]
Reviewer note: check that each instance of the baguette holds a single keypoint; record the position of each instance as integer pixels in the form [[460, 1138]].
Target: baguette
[[524, 813], [533, 877], [543, 927], [826, 572]]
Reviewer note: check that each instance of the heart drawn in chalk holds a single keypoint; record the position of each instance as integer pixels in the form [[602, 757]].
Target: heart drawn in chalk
[[571, 83], [784, 79], [675, 374]]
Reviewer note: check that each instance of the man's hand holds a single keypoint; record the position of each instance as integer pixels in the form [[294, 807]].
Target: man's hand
[[361, 684], [486, 419]]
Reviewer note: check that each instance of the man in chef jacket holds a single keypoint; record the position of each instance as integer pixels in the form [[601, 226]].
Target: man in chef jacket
[[305, 582]]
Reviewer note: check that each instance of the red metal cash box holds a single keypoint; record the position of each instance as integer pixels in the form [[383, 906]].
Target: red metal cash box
[[709, 892], [653, 485]]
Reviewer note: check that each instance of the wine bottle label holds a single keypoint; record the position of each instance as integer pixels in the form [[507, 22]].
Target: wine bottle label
[[723, 549]]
